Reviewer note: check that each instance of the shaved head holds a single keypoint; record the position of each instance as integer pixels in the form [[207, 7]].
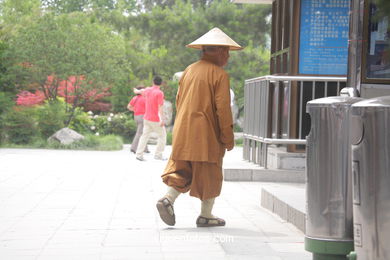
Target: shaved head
[[220, 53]]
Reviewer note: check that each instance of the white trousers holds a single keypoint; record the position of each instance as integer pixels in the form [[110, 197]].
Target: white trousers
[[152, 127]]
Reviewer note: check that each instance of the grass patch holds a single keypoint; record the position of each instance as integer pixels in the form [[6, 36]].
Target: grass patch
[[90, 142], [239, 142]]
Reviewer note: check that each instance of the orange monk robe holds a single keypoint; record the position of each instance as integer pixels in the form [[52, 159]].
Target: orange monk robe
[[203, 130]]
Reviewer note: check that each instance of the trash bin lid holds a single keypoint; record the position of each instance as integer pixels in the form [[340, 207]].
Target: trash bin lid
[[333, 100], [374, 102]]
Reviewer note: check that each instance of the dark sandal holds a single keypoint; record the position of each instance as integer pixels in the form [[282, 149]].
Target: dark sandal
[[209, 222], [165, 209]]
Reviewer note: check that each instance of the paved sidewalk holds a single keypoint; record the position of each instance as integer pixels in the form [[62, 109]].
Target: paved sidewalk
[[57, 204]]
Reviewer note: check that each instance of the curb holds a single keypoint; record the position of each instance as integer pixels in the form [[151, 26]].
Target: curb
[[283, 210], [264, 175]]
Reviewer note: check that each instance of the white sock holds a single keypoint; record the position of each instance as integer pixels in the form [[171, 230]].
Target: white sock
[[207, 207], [172, 194]]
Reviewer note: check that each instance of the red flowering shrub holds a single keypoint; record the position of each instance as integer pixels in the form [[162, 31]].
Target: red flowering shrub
[[74, 90], [77, 92], [26, 98]]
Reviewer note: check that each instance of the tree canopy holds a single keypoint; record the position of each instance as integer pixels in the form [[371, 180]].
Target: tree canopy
[[118, 44]]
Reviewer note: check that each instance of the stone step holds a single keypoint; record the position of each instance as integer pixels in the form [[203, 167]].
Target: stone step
[[238, 169], [263, 175], [288, 201]]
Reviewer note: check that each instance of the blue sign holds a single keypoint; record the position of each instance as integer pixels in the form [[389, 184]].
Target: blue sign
[[323, 39]]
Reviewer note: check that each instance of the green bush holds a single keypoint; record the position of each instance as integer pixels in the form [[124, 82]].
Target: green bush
[[170, 91], [169, 138], [100, 124], [81, 122], [237, 128], [92, 142], [239, 141], [120, 124], [33, 125], [19, 126], [51, 117], [6, 103]]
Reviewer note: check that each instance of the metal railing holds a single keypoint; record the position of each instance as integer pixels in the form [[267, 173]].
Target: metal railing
[[275, 111]]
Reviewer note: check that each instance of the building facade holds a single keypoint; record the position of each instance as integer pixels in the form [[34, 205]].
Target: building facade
[[318, 49]]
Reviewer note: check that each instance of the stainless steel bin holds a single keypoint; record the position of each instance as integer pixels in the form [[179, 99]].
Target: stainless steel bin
[[371, 178], [329, 224]]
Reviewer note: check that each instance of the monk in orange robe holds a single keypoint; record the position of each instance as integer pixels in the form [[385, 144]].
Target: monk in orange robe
[[203, 130]]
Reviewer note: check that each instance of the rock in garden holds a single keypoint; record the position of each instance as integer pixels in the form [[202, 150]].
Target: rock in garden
[[168, 112], [66, 136]]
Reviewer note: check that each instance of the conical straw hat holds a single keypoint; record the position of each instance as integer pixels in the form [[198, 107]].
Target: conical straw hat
[[215, 37]]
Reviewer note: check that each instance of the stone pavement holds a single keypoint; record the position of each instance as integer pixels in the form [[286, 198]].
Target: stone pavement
[[58, 204]]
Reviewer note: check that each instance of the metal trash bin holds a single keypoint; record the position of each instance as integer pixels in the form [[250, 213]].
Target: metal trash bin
[[329, 224], [371, 178]]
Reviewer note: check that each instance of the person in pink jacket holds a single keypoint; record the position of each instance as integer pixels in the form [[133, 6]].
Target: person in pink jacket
[[137, 105]]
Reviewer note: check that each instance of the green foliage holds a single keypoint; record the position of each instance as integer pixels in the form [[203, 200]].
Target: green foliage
[[169, 138], [23, 125], [239, 142], [383, 8], [171, 27], [33, 125], [237, 128], [15, 14], [248, 63], [69, 6], [122, 125], [119, 124], [6, 102], [121, 95], [117, 44], [81, 122], [92, 142], [51, 117], [245, 23], [100, 124], [170, 90], [66, 45], [5, 86], [19, 126]]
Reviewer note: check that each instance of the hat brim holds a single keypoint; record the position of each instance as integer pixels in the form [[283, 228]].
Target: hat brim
[[199, 46], [215, 37]]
